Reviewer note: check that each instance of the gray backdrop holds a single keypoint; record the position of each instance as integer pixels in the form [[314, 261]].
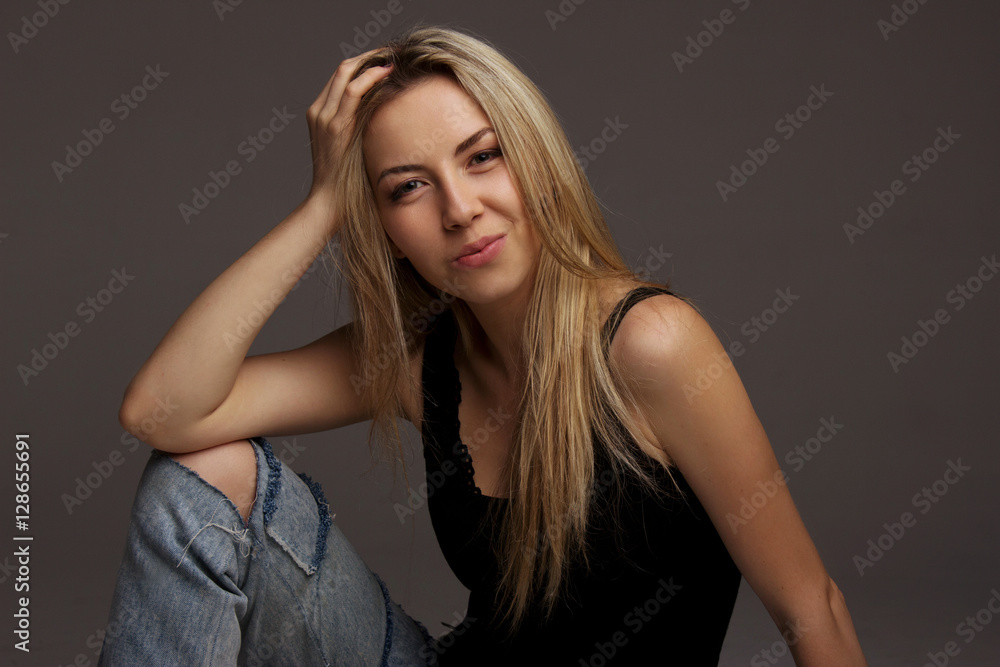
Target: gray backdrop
[[890, 333]]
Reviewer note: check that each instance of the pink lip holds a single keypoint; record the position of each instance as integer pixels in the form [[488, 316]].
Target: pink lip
[[471, 248], [492, 248]]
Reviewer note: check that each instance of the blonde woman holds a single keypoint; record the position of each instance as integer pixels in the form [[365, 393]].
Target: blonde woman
[[576, 486]]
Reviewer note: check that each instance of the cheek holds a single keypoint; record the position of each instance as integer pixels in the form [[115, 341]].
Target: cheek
[[505, 189], [405, 236], [390, 231]]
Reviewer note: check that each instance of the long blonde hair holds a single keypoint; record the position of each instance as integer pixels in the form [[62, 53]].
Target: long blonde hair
[[573, 396]]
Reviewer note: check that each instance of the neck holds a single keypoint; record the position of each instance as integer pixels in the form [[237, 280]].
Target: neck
[[497, 348], [500, 344]]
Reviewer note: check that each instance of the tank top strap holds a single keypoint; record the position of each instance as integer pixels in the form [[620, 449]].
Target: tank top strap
[[633, 297]]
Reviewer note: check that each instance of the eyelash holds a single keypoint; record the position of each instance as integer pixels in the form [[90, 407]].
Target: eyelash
[[398, 193]]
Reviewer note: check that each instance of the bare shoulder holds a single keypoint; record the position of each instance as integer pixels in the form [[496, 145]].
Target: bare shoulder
[[662, 327]]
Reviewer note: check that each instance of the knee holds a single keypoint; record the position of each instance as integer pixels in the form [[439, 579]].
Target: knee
[[231, 468]]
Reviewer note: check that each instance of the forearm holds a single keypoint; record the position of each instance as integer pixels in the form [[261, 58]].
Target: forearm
[[196, 363]]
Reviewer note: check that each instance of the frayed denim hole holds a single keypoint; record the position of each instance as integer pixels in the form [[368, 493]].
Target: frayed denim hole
[[243, 537], [324, 519], [273, 477], [387, 647], [256, 534], [280, 527], [201, 479]]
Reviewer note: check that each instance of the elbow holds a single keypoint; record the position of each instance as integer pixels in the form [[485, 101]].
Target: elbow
[[816, 612], [147, 423], [824, 608], [837, 605], [825, 634], [132, 420], [834, 596]]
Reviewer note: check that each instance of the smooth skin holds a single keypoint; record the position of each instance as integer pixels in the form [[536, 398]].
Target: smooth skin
[[221, 394], [664, 344], [435, 201], [444, 199], [717, 442]]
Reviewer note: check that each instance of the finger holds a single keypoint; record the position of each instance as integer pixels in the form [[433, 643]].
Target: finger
[[342, 77], [356, 89], [329, 92], [327, 103]]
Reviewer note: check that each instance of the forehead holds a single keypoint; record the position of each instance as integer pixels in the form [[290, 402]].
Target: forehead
[[429, 118]]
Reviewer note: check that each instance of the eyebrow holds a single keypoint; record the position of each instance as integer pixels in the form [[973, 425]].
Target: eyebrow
[[461, 148]]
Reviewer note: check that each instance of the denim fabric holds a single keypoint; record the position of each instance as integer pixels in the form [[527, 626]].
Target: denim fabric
[[198, 586]]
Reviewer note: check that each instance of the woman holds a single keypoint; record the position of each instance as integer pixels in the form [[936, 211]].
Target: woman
[[577, 485]]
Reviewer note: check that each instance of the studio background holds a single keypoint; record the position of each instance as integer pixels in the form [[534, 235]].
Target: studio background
[[886, 82]]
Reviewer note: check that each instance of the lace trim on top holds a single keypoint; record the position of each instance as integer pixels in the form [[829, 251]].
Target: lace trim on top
[[442, 342], [462, 457], [460, 453]]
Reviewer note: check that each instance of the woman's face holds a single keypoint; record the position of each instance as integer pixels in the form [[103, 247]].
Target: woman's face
[[440, 183]]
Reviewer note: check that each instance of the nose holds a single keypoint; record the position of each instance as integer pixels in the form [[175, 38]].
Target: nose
[[462, 203]]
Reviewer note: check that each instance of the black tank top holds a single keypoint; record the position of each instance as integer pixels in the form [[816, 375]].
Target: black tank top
[[660, 592]]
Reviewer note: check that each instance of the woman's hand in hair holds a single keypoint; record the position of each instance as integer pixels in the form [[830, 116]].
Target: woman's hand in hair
[[331, 119]]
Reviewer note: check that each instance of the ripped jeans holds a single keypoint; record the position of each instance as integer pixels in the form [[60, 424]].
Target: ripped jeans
[[198, 586]]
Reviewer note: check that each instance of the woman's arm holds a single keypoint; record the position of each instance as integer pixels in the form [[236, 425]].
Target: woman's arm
[[199, 361], [712, 434]]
